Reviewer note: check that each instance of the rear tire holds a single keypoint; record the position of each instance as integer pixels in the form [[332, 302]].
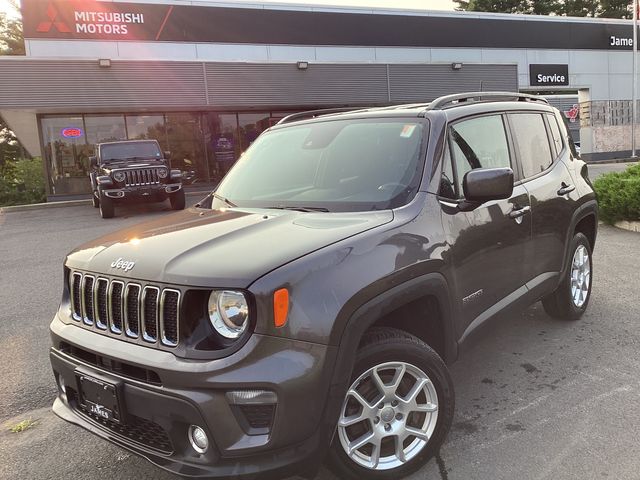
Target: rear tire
[[409, 429], [177, 200], [107, 207], [570, 299]]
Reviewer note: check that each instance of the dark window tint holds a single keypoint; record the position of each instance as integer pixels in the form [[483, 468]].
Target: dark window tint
[[532, 142], [479, 143], [555, 134], [447, 180]]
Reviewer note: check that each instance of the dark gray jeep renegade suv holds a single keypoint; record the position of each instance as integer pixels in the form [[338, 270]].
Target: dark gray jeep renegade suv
[[131, 171], [307, 309]]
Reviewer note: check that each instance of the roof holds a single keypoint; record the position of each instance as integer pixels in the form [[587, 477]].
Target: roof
[[447, 102]]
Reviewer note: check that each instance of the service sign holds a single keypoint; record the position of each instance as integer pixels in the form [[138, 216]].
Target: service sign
[[543, 75]]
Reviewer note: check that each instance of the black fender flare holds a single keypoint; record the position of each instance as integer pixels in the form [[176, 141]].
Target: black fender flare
[[589, 208], [430, 284]]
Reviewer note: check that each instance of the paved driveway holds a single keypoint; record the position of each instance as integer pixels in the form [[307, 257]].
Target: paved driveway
[[536, 398]]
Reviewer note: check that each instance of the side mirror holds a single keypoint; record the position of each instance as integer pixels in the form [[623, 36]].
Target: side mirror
[[167, 155], [93, 161], [484, 184]]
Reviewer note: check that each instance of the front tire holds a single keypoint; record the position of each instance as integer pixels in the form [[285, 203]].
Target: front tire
[[569, 301], [107, 207], [94, 200], [397, 411], [178, 200]]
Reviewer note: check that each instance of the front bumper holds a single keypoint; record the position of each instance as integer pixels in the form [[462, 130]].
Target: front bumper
[[142, 191], [159, 413]]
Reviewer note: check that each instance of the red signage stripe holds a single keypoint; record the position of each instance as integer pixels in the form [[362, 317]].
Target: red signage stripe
[[164, 22]]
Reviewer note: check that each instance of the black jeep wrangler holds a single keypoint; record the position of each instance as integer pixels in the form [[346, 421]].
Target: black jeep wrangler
[[131, 171], [307, 309]]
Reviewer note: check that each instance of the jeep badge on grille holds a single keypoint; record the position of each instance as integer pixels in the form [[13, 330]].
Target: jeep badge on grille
[[125, 265]]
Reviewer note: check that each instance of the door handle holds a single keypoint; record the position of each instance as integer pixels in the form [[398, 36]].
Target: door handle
[[564, 189], [518, 212]]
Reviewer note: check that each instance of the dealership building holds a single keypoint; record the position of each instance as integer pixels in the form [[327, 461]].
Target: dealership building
[[205, 78]]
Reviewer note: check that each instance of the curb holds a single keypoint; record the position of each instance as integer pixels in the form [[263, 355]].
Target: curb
[[72, 203], [632, 226], [38, 206], [612, 160]]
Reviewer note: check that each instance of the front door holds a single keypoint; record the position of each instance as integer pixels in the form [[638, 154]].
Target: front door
[[491, 245]]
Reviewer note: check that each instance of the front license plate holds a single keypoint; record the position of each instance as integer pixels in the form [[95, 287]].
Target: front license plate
[[99, 397]]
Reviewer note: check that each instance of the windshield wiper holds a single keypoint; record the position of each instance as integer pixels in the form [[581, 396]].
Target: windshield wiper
[[224, 199], [301, 209]]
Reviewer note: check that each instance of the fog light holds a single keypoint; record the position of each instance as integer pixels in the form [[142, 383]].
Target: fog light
[[198, 439], [252, 397]]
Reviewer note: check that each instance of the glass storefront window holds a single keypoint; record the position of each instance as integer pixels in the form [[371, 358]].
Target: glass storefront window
[[106, 128], [147, 127], [222, 142], [186, 143], [67, 154], [204, 145], [250, 126]]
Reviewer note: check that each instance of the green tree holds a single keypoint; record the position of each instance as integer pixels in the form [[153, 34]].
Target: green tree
[[502, 6], [11, 38], [11, 43], [10, 148], [615, 9], [543, 7], [572, 8]]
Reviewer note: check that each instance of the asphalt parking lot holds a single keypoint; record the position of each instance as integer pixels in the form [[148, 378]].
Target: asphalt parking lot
[[536, 398]]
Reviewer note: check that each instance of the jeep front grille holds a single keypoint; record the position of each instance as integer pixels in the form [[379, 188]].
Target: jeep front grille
[[141, 176], [116, 307], [132, 310]]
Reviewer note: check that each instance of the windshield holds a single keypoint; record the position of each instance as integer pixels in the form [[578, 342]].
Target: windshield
[[344, 165], [129, 151]]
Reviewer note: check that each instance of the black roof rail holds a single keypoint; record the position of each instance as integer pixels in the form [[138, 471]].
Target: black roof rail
[[458, 98], [294, 117]]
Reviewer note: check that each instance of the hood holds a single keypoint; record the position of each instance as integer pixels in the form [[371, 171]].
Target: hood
[[151, 162], [216, 248]]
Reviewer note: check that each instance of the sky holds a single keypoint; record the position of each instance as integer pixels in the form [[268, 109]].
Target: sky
[[6, 7]]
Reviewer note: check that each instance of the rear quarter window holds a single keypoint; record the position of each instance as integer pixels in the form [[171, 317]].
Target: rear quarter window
[[556, 136]]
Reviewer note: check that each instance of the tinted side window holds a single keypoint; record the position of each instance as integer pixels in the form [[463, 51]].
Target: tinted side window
[[532, 142], [555, 134], [478, 143]]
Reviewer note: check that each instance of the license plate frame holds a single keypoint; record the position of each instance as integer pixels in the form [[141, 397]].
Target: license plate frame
[[101, 396]]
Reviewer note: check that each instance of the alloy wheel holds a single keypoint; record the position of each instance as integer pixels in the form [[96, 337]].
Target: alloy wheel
[[580, 276], [388, 416]]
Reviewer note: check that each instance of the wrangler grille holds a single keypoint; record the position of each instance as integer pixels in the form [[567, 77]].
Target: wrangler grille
[[141, 176], [117, 307]]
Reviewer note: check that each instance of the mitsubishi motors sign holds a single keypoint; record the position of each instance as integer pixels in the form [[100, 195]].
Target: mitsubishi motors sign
[[198, 23], [93, 20]]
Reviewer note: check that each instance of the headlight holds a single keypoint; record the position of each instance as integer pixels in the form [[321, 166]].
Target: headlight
[[162, 172], [118, 176], [228, 313]]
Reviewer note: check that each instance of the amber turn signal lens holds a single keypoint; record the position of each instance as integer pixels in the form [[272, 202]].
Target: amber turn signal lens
[[280, 307]]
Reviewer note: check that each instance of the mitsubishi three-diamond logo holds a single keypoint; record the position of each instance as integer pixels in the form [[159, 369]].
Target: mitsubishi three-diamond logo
[[52, 14]]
